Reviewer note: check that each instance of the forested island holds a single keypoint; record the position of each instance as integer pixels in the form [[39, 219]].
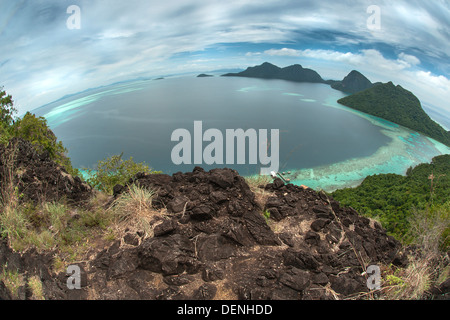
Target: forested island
[[384, 100], [393, 103], [267, 70]]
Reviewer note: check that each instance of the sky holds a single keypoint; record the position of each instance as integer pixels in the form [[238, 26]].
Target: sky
[[49, 51]]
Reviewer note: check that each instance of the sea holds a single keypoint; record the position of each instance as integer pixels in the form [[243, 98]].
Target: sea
[[322, 144]]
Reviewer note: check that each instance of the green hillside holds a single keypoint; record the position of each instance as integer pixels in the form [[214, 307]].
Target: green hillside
[[391, 198], [397, 105]]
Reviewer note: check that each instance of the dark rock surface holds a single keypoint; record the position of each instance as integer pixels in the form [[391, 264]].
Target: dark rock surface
[[37, 177], [214, 243]]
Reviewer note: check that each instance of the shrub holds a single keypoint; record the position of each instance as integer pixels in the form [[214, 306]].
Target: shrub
[[430, 228], [35, 130], [114, 170]]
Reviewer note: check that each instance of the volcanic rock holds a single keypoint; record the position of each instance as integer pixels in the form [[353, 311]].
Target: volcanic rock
[[215, 243], [37, 177]]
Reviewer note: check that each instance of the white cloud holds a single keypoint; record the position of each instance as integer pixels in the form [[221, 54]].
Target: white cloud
[[283, 52], [252, 54], [362, 58], [404, 70], [435, 88], [120, 40], [412, 60]]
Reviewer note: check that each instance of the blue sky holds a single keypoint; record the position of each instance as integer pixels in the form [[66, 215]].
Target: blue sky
[[42, 60]]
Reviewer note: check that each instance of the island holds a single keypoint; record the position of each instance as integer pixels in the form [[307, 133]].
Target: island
[[384, 100], [203, 75], [267, 70], [398, 105]]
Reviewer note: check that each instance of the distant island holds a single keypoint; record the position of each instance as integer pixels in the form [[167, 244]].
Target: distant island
[[352, 83], [267, 70], [384, 100], [203, 75], [393, 103]]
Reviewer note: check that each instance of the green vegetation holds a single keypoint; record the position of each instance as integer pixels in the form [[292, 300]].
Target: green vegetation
[[33, 129], [114, 170], [266, 215], [415, 208], [7, 109], [392, 198], [50, 225], [267, 70], [35, 285], [7, 112], [397, 105], [13, 280], [352, 83]]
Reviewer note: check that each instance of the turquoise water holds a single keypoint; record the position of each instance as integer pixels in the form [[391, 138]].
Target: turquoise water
[[406, 148], [323, 144]]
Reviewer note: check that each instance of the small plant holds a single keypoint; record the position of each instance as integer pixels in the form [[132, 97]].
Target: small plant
[[258, 181], [13, 280], [35, 285], [257, 184], [114, 170], [266, 215], [393, 280], [134, 208], [58, 264], [14, 226]]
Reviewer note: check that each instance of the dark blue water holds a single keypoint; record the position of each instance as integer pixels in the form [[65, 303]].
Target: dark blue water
[[138, 119]]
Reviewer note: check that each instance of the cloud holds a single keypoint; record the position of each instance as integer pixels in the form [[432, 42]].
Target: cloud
[[409, 59], [283, 52], [403, 69], [124, 39], [362, 58], [439, 82]]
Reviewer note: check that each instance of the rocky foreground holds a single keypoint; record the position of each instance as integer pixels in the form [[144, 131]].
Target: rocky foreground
[[211, 240]]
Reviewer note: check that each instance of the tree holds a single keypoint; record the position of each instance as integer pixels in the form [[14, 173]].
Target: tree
[[7, 109]]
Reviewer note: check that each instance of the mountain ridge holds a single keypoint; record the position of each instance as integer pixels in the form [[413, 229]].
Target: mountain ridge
[[354, 82], [267, 70]]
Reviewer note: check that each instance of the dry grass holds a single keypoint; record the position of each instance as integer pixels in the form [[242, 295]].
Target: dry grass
[[35, 285], [257, 185], [133, 210], [8, 192], [428, 264]]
